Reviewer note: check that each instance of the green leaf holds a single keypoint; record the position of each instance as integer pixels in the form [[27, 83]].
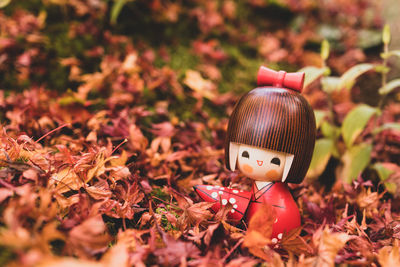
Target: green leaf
[[329, 130], [116, 9], [386, 126], [330, 84], [336, 153], [367, 38], [391, 53], [386, 34], [322, 153], [395, 53], [330, 32], [391, 187], [390, 86], [319, 117], [382, 69], [355, 122], [383, 172], [349, 77], [4, 3], [325, 50], [355, 160], [70, 100], [312, 74]]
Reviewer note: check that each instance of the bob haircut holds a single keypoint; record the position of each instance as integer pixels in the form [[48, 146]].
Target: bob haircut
[[278, 119]]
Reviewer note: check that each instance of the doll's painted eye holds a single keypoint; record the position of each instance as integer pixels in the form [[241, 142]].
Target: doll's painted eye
[[245, 154], [276, 161]]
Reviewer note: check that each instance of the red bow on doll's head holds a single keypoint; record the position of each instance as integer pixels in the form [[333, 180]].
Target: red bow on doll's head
[[281, 78]]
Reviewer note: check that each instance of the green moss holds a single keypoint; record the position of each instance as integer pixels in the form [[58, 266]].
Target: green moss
[[151, 28], [239, 74], [164, 221], [159, 193], [33, 6], [6, 255], [182, 59]]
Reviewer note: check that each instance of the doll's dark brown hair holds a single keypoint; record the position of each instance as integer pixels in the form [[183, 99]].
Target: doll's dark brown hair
[[278, 119]]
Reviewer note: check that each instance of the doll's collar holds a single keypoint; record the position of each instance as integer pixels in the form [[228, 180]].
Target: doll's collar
[[261, 184]]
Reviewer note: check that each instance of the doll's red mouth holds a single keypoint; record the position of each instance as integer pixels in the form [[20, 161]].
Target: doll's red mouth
[[259, 162]]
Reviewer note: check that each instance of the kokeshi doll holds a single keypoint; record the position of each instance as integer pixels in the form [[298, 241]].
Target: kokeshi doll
[[270, 139]]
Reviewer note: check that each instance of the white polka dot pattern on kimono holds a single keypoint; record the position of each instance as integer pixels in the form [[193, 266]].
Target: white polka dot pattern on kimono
[[209, 187], [235, 191], [214, 194], [232, 211], [220, 192], [274, 240], [232, 200], [224, 202], [235, 206], [280, 236]]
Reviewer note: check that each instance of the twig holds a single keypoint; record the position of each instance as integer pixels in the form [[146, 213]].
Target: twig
[[232, 250], [123, 142], [52, 131]]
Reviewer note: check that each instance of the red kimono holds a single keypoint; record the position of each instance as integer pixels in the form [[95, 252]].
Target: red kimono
[[245, 204]]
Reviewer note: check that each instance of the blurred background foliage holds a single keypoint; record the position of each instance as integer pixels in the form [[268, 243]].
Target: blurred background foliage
[[235, 36]]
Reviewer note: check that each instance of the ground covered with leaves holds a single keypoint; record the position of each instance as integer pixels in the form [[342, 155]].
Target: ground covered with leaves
[[112, 111]]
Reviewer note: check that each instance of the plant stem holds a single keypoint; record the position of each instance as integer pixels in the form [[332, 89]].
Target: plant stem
[[383, 84]]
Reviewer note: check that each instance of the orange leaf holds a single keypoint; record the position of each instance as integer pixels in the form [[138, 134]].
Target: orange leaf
[[259, 232], [90, 237], [292, 242], [329, 245], [201, 86], [66, 180], [389, 256]]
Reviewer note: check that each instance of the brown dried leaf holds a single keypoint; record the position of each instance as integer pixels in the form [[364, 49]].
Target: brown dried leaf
[[68, 262], [196, 214], [136, 138], [89, 238], [117, 256], [99, 191], [293, 243], [202, 87], [175, 251], [329, 245], [5, 193], [66, 180], [389, 256]]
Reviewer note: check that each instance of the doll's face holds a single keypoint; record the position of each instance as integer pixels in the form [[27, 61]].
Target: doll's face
[[261, 164]]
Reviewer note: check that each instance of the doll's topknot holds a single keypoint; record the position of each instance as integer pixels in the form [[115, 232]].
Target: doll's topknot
[[280, 79]]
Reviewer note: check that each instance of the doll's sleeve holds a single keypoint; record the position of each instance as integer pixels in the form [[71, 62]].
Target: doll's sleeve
[[222, 196]]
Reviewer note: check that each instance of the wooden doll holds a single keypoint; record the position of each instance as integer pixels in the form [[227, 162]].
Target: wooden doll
[[270, 139]]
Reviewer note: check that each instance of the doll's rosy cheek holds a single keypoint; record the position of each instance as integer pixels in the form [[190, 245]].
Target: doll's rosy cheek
[[247, 168], [272, 175]]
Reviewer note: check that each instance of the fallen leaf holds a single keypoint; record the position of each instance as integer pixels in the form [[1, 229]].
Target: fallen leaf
[[329, 245], [202, 87], [389, 256], [89, 238], [258, 234]]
